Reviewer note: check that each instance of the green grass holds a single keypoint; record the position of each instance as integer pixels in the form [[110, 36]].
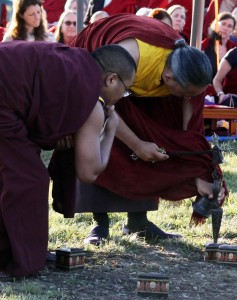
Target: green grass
[[171, 217]]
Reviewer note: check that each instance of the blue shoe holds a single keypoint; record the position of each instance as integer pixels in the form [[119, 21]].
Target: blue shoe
[[149, 231], [96, 235]]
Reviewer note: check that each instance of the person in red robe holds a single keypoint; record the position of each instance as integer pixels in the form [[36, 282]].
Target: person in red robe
[[134, 185], [53, 9], [112, 8], [47, 92]]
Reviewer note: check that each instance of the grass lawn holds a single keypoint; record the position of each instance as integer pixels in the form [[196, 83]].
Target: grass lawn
[[112, 268]]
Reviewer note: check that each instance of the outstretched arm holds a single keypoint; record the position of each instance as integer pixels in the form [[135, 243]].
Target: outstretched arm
[[145, 150], [223, 70], [93, 145]]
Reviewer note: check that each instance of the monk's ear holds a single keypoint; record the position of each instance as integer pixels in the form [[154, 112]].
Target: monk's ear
[[168, 77], [111, 80]]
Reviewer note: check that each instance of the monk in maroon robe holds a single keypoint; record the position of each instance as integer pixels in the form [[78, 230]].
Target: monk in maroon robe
[[158, 120], [48, 91]]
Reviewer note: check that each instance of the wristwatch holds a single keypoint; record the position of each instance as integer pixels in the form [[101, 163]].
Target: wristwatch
[[220, 93]]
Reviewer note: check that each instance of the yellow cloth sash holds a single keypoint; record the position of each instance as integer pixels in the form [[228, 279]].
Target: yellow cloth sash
[[151, 64]]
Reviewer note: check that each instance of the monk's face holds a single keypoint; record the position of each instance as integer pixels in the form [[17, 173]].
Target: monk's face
[[115, 87], [177, 90]]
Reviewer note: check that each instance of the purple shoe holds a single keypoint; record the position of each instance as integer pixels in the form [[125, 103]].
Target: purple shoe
[[96, 235]]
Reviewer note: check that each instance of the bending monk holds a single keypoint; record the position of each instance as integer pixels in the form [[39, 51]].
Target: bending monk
[[47, 92], [164, 110]]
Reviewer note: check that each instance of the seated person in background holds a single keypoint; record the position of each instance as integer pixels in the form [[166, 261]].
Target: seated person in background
[[150, 118], [143, 11], [233, 36], [98, 15], [70, 5], [224, 6], [67, 27], [225, 26], [162, 15], [28, 22], [112, 7], [178, 16], [225, 81]]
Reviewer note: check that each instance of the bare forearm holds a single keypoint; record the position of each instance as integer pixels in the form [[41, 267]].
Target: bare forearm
[[217, 85], [105, 148], [92, 149]]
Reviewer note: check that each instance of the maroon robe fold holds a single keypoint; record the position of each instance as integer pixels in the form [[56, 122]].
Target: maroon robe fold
[[152, 119], [120, 6], [159, 121], [113, 29], [53, 9], [46, 93]]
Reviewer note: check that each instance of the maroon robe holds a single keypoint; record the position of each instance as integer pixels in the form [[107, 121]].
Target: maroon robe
[[47, 91], [120, 6], [53, 9], [152, 119]]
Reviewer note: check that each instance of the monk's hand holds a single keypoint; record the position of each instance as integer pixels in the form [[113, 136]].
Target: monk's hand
[[65, 143], [206, 188], [112, 121], [150, 152]]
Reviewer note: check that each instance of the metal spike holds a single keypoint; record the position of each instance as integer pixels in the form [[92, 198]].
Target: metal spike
[[216, 214]]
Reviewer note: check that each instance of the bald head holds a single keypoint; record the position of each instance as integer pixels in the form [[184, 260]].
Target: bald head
[[98, 15]]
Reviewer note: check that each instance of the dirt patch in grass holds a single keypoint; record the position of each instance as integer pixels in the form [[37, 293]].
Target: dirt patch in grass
[[114, 275]]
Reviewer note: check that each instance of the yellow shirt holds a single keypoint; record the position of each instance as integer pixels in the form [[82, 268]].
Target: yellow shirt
[[151, 64]]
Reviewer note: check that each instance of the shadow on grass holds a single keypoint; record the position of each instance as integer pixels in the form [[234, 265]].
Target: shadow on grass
[[166, 248]]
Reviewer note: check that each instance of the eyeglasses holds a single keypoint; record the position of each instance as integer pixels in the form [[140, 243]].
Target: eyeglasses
[[127, 92], [69, 23]]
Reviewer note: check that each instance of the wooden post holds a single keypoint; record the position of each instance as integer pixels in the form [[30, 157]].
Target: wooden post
[[217, 43], [197, 23], [80, 15]]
